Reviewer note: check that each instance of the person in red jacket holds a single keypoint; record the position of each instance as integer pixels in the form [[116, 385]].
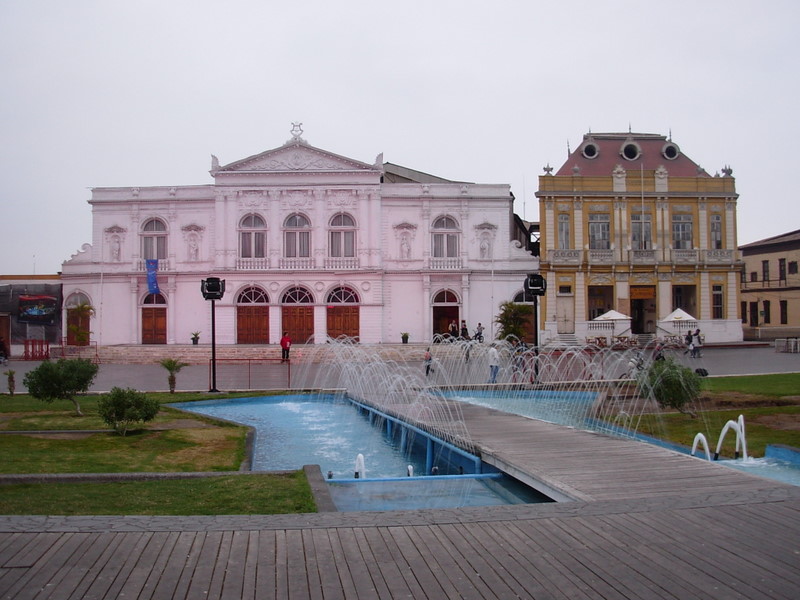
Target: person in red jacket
[[286, 343]]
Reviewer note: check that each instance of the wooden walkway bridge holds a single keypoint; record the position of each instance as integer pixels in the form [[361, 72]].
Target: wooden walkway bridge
[[635, 521]]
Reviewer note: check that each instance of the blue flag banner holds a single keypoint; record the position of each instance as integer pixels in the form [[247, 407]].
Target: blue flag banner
[[152, 270]]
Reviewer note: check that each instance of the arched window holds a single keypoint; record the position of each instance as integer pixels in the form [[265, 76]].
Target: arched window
[[342, 236], [154, 299], [342, 295], [154, 239], [252, 237], [77, 299], [297, 237], [445, 297], [445, 238], [252, 295], [297, 295], [523, 298]]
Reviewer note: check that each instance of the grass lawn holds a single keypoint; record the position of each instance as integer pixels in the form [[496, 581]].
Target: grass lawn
[[277, 493]]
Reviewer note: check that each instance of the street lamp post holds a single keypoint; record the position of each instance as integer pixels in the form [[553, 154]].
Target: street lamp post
[[213, 288], [536, 286]]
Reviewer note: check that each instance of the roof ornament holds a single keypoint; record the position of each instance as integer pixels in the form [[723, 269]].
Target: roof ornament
[[297, 131], [727, 171], [568, 150], [548, 169]]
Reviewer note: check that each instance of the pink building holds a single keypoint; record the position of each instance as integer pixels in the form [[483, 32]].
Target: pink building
[[308, 242]]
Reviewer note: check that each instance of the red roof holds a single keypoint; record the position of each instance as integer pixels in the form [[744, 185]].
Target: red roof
[[645, 150]]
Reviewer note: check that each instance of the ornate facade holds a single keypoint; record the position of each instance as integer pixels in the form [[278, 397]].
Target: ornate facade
[[629, 223], [308, 242]]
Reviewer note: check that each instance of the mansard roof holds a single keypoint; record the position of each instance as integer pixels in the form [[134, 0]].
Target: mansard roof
[[294, 156], [600, 153]]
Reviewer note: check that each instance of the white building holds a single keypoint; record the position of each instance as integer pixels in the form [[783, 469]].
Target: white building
[[308, 242]]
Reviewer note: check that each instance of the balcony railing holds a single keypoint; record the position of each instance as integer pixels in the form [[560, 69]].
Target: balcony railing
[[164, 264], [566, 257], [447, 263], [341, 263], [296, 264], [719, 256], [643, 257], [684, 256], [601, 257], [252, 264]]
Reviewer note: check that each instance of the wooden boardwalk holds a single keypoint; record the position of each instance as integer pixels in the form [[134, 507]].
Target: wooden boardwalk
[[637, 521]]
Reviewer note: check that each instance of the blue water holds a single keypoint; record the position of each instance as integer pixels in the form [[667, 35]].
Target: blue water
[[771, 468], [306, 429]]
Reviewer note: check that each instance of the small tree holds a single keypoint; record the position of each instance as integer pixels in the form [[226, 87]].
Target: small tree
[[12, 382], [512, 319], [121, 408], [173, 366], [672, 385], [62, 380], [82, 312]]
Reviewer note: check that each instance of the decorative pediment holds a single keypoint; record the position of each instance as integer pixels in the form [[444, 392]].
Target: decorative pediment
[[293, 157]]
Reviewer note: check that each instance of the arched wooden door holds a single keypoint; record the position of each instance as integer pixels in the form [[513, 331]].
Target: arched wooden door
[[252, 317], [343, 314], [79, 316], [154, 320], [297, 315]]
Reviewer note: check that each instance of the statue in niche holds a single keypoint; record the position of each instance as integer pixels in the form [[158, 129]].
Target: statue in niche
[[405, 248], [484, 247], [194, 248], [116, 249]]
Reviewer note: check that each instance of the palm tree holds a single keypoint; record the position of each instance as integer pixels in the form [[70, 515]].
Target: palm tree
[[78, 317], [172, 366], [512, 319]]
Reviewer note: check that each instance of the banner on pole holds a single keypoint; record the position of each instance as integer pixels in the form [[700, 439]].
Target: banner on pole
[[152, 279]]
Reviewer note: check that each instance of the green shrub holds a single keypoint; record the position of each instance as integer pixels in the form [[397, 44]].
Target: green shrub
[[121, 408], [62, 380], [672, 385]]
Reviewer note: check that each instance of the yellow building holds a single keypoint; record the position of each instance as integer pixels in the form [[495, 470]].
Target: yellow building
[[770, 306], [631, 224]]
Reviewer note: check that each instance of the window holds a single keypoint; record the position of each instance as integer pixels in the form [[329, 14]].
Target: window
[[784, 308], [154, 240], [682, 232], [342, 236], [717, 311], [563, 232], [445, 238], [782, 269], [716, 232], [445, 297], [253, 295], [599, 231], [297, 237], [297, 295], [342, 295], [765, 271], [766, 312], [252, 237], [641, 236], [743, 308], [793, 267], [753, 276]]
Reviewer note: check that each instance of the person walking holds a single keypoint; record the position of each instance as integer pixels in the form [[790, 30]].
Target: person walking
[[697, 345], [494, 363], [286, 344], [479, 333], [428, 362]]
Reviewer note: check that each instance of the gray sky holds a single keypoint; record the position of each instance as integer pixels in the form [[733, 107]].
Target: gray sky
[[135, 93]]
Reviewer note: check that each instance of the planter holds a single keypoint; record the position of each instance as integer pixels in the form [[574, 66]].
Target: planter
[[195, 341], [404, 339]]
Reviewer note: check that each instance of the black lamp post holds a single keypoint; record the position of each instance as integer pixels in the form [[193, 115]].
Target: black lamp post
[[213, 288], [536, 286]]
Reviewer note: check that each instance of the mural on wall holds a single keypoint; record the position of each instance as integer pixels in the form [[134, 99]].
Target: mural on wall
[[41, 310]]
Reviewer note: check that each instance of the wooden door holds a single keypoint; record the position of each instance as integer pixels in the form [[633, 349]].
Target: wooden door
[[77, 328], [252, 324], [298, 321], [565, 313], [343, 320], [154, 325]]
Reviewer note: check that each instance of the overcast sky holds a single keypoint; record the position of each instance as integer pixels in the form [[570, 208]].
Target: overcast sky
[[138, 92]]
